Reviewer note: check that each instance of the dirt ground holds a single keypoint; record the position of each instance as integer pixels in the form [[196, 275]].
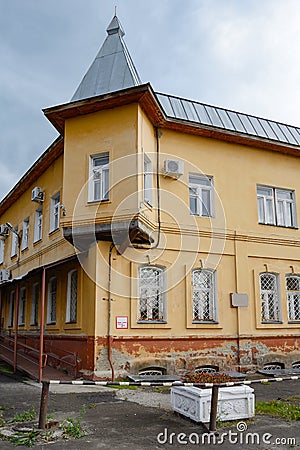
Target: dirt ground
[[113, 420]]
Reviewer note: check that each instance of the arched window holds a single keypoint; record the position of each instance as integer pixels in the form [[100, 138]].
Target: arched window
[[204, 295], [71, 311], [269, 294], [151, 303], [293, 296]]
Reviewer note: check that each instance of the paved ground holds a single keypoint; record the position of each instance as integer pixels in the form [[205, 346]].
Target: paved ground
[[114, 420]]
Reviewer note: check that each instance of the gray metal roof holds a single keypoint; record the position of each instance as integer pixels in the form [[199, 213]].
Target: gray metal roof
[[112, 69], [191, 111]]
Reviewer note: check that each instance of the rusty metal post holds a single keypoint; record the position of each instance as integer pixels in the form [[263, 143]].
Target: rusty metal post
[[44, 405], [214, 408], [16, 326], [42, 324]]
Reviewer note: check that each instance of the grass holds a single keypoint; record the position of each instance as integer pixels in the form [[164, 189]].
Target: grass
[[132, 388], [27, 416], [278, 408]]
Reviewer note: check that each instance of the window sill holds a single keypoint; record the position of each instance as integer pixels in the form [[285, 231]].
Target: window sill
[[272, 322], [53, 231], [24, 249], [37, 242], [152, 321], [205, 322], [293, 322], [96, 202], [202, 217], [148, 205], [278, 226]]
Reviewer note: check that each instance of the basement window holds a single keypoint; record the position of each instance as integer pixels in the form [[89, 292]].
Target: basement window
[[274, 366], [152, 371], [206, 369]]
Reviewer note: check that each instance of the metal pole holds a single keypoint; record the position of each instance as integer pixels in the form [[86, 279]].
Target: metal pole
[[44, 405], [16, 328], [42, 324], [214, 408]]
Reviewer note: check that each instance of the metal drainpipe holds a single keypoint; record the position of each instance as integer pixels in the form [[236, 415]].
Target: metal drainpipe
[[109, 337], [42, 324], [16, 327]]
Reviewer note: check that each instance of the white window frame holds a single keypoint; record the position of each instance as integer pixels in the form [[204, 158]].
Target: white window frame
[[71, 300], [152, 305], [99, 177], [38, 224], [11, 310], [25, 234], [2, 250], [52, 301], [14, 242], [293, 299], [22, 306], [148, 180], [201, 186], [268, 314], [274, 208], [35, 295], [54, 212], [200, 293]]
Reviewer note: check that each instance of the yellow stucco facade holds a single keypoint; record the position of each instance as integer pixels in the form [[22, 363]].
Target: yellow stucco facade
[[101, 313]]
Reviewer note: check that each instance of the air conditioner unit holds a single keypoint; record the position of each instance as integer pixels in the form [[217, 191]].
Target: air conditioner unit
[[4, 275], [173, 168], [37, 194], [3, 230]]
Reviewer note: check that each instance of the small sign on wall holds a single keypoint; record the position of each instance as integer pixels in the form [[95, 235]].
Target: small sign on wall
[[121, 322], [239, 300]]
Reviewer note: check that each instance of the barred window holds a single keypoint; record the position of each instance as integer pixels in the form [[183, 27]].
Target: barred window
[[71, 313], [293, 296], [22, 306], [34, 304], [151, 304], [11, 310], [269, 293], [51, 304], [204, 295]]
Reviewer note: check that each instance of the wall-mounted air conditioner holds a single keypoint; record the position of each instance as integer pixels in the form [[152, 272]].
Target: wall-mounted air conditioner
[[37, 194], [3, 230], [173, 168], [4, 275]]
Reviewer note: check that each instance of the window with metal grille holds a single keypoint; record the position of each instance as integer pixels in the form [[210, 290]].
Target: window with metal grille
[[34, 304], [22, 306], [51, 303], [151, 304], [99, 177], [206, 369], [293, 296], [201, 195], [276, 206], [274, 366], [296, 365], [152, 371], [269, 294], [11, 308], [71, 312], [204, 295]]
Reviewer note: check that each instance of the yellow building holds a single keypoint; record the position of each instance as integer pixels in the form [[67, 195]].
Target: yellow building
[[155, 234]]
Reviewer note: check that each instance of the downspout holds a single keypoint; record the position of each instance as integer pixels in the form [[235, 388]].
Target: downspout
[[42, 324], [16, 327], [237, 308], [109, 337]]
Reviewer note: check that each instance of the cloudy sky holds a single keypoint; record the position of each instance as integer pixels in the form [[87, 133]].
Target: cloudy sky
[[238, 54]]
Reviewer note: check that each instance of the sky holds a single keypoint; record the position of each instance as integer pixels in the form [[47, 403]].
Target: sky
[[237, 54]]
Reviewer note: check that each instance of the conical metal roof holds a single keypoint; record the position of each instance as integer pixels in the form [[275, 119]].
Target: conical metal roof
[[112, 69]]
